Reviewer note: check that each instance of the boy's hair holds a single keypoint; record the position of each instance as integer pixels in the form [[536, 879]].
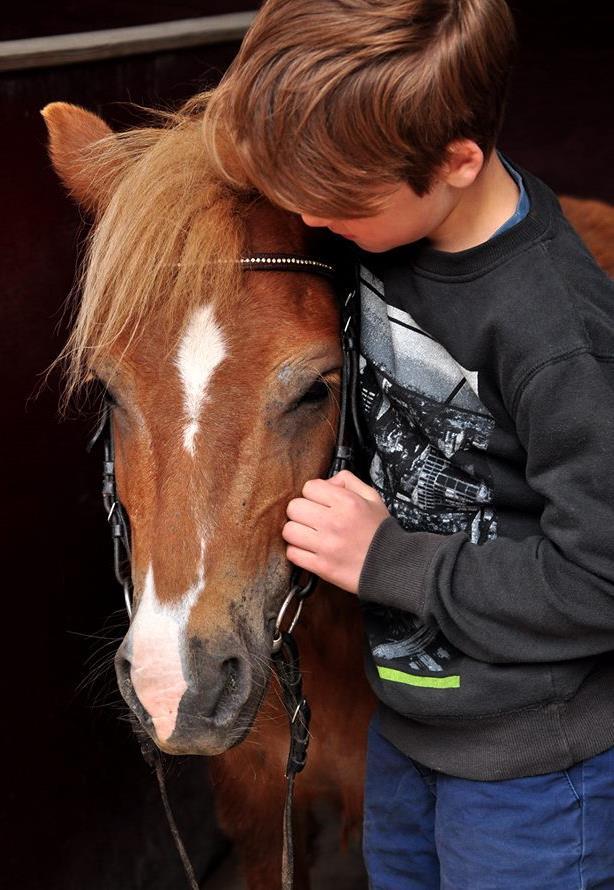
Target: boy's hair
[[329, 99]]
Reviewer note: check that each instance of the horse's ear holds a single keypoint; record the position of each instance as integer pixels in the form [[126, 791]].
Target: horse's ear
[[73, 134]]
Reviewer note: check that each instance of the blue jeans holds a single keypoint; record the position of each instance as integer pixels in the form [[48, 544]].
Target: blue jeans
[[425, 830]]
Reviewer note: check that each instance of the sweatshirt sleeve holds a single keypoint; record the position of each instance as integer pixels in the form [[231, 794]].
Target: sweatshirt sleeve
[[549, 597]]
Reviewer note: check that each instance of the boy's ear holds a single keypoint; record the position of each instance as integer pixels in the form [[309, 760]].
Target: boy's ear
[[73, 134], [464, 161]]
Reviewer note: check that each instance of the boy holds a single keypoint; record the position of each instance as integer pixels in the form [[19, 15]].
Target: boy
[[483, 549]]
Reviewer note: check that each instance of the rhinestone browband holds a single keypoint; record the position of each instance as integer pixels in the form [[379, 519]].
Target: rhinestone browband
[[280, 261]]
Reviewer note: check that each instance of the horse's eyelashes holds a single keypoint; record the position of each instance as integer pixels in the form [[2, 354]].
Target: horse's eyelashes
[[108, 395]]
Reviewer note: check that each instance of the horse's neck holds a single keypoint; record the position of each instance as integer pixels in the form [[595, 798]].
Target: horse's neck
[[330, 627]]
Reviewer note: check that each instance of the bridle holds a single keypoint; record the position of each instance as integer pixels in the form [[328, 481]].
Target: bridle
[[343, 454], [284, 649]]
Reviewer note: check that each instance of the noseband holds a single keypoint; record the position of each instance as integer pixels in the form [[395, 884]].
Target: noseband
[[283, 648]]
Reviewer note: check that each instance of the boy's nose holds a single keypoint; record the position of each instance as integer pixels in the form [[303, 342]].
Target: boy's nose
[[314, 220]]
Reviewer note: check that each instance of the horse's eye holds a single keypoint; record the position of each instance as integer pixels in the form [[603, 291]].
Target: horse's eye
[[109, 397], [102, 392], [317, 392]]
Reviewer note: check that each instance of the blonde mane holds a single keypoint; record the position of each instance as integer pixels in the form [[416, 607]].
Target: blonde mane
[[167, 238]]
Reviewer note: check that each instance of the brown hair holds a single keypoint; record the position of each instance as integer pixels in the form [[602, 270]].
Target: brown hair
[[328, 98]]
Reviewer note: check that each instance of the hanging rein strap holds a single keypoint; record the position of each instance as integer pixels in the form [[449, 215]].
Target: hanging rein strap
[[302, 584], [286, 663]]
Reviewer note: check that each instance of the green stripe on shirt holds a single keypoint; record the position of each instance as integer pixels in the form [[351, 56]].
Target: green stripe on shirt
[[452, 682]]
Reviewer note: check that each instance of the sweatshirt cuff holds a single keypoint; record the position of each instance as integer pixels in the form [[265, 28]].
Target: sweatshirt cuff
[[395, 567]]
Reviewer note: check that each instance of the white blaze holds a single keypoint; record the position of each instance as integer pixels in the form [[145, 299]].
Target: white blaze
[[201, 350], [157, 634]]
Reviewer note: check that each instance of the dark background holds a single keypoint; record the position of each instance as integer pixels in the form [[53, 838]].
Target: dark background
[[80, 809]]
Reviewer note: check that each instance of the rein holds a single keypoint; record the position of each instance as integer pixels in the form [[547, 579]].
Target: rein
[[284, 650]]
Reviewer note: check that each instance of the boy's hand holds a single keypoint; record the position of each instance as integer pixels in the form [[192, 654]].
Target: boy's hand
[[331, 527]]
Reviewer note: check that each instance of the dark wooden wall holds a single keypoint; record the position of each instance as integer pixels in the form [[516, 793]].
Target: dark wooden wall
[[80, 805], [80, 808], [39, 18]]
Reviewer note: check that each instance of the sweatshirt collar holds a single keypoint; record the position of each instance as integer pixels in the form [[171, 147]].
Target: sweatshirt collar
[[480, 259]]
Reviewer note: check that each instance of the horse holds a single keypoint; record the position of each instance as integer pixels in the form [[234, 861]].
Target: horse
[[224, 385]]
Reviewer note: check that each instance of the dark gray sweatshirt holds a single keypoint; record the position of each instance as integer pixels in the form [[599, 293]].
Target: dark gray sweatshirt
[[488, 390]]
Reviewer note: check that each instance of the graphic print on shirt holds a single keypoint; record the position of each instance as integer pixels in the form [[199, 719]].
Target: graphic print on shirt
[[426, 420]]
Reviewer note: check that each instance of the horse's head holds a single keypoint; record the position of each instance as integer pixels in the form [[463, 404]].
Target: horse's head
[[223, 384]]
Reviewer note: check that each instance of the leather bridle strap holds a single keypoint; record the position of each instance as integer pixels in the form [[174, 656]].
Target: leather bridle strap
[[116, 516], [285, 651]]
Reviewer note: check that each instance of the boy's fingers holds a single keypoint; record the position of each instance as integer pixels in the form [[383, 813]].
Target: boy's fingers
[[326, 491], [302, 558], [300, 536], [319, 491], [306, 512], [348, 480]]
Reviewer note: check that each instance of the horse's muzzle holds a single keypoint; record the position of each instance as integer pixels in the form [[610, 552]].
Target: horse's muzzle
[[205, 711]]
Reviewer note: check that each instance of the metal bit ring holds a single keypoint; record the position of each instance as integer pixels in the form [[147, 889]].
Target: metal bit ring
[[277, 636]]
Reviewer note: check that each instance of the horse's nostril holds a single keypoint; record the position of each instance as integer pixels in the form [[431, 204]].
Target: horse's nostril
[[122, 666], [231, 671]]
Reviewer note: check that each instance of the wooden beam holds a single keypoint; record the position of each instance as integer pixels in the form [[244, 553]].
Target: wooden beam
[[89, 46]]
